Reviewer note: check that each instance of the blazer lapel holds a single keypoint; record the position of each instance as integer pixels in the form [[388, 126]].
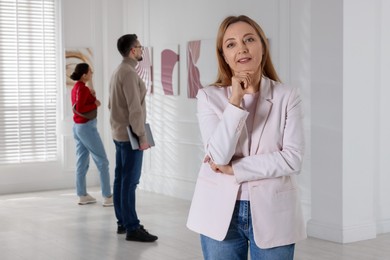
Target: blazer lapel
[[263, 109]]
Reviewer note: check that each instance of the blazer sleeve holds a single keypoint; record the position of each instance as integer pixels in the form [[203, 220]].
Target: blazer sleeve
[[220, 125], [286, 160]]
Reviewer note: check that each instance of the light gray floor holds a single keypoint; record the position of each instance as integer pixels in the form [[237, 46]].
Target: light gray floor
[[50, 225]]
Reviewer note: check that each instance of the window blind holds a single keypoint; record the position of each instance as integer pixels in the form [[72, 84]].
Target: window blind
[[28, 81]]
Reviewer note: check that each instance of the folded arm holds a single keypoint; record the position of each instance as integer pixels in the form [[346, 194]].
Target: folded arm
[[284, 160], [220, 132]]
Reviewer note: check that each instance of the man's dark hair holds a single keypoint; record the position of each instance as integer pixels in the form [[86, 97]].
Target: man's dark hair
[[125, 43]]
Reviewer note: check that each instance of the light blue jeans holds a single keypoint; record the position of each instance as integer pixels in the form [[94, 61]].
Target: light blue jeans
[[88, 141], [240, 238]]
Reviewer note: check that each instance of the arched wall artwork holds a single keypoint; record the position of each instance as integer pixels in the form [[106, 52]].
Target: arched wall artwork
[[144, 69], [170, 70]]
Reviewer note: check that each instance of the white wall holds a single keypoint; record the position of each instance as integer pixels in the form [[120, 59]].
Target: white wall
[[94, 24], [360, 159], [382, 180], [326, 122], [348, 148], [81, 25], [299, 74]]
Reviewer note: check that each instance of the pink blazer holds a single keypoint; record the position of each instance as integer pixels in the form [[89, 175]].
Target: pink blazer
[[270, 166]]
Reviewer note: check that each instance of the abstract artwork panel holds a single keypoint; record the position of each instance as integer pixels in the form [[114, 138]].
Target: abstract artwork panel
[[74, 57], [170, 70], [144, 69], [201, 65]]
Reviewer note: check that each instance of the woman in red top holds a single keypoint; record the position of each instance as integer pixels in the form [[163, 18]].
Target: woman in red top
[[87, 138]]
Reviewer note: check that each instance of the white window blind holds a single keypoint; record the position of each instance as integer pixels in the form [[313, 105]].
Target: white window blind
[[28, 81]]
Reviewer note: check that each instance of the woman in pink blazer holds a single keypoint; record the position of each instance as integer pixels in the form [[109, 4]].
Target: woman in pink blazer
[[246, 195]]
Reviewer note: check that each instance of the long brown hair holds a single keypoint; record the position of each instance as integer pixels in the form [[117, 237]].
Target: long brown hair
[[225, 74]]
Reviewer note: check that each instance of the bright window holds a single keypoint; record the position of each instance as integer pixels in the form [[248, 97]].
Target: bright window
[[28, 81]]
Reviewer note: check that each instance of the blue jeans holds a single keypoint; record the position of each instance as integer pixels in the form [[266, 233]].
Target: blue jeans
[[127, 174], [240, 234], [88, 141]]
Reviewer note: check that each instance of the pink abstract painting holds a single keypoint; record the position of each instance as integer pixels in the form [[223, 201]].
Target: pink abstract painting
[[201, 64], [144, 69], [193, 52], [169, 74]]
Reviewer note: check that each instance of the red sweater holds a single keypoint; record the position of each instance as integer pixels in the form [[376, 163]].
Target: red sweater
[[85, 101]]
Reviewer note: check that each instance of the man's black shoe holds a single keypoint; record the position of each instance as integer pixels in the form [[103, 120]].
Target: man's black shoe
[[140, 235], [121, 229]]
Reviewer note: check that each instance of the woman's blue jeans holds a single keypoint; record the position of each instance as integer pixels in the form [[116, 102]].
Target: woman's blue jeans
[[127, 174], [88, 141], [240, 238]]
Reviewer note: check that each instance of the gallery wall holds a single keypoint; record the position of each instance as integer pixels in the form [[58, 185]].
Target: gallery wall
[[95, 26], [288, 25], [297, 44], [171, 167], [348, 127], [382, 180]]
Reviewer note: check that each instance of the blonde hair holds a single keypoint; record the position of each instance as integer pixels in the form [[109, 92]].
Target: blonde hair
[[224, 77]]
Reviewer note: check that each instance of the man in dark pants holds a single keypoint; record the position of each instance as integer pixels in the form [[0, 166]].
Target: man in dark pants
[[127, 107]]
